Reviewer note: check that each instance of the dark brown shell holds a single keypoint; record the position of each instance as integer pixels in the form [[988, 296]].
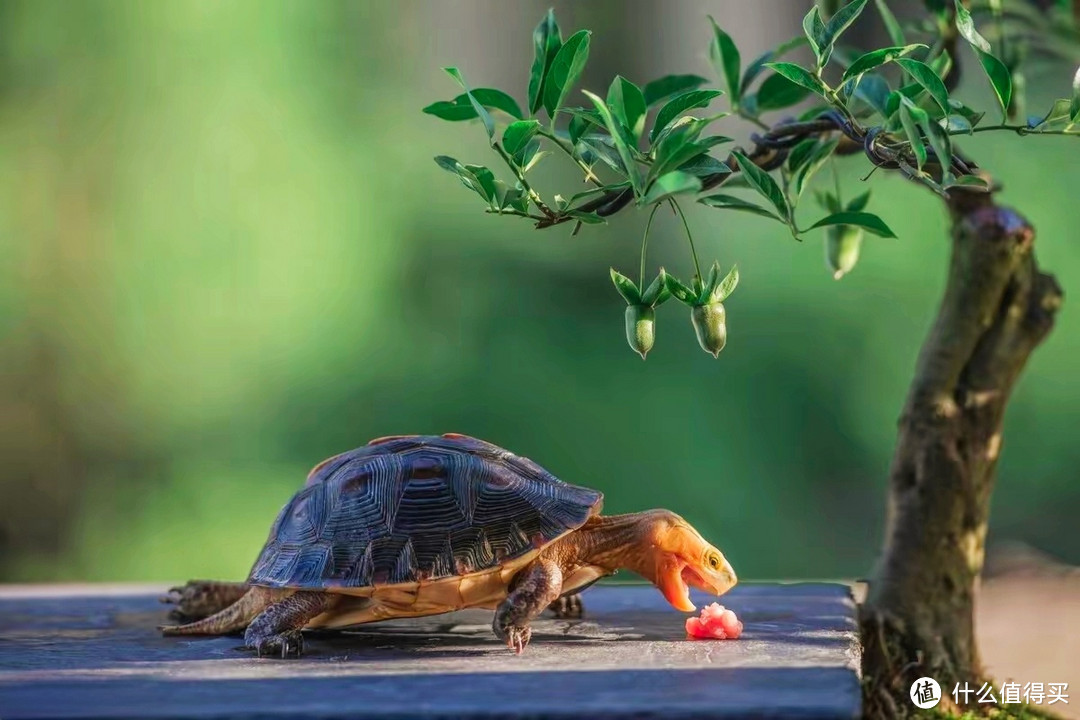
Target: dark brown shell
[[417, 508]]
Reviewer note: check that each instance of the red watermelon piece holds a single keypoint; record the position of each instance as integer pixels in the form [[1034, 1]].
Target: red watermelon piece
[[715, 622]]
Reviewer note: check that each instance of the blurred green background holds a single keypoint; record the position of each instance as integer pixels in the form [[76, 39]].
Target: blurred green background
[[226, 253]]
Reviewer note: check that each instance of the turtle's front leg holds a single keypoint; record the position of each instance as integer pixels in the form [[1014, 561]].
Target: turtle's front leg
[[531, 591], [276, 630], [202, 598]]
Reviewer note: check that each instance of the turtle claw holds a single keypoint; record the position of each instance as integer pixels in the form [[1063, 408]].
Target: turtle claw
[[285, 645], [517, 638]]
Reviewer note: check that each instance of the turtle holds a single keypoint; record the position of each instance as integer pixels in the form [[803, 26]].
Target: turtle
[[415, 525]]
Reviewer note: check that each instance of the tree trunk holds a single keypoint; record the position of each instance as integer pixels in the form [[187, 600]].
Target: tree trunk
[[917, 620]]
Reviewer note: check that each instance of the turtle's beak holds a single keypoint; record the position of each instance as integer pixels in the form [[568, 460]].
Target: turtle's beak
[[693, 564]]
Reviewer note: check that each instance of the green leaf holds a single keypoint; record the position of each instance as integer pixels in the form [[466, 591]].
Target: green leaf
[[726, 286], [959, 108], [942, 64], [589, 218], [601, 147], [627, 104], [859, 203], [838, 23], [1000, 78], [1074, 106], [828, 201], [482, 113], [680, 104], [565, 70], [995, 69], [526, 157], [868, 221], [620, 144], [484, 189], [730, 202], [814, 29], [460, 108], [682, 293], [874, 90], [777, 92], [518, 134], [957, 124], [486, 180], [725, 59], [799, 76], [874, 59], [679, 147], [704, 165], [928, 79], [672, 183], [657, 292], [909, 119], [712, 280], [939, 140], [966, 26], [758, 65], [669, 86], [687, 124], [626, 287], [617, 187], [800, 154], [892, 27], [511, 197], [547, 39], [764, 183], [582, 122], [821, 154]]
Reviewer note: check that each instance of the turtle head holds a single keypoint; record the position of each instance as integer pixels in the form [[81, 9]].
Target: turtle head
[[678, 558]]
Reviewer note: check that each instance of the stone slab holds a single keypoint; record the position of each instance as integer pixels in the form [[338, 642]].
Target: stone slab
[[93, 652]]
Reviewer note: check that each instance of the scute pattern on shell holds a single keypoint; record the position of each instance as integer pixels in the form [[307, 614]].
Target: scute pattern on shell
[[417, 508]]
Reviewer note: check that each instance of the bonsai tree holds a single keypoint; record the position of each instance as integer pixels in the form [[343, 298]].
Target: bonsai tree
[[893, 109]]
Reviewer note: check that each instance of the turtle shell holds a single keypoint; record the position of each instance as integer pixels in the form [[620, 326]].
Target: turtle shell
[[415, 509]]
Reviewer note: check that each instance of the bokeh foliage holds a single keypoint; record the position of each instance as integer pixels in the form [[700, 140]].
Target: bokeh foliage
[[226, 254]]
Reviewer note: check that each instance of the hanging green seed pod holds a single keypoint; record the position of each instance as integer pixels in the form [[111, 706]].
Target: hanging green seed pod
[[710, 326], [842, 243], [640, 328]]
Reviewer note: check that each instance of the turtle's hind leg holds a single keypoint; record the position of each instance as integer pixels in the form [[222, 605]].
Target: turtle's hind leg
[[232, 619], [202, 598], [568, 607], [277, 628]]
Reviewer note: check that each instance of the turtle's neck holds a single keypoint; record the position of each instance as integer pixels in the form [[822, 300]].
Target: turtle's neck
[[616, 542]]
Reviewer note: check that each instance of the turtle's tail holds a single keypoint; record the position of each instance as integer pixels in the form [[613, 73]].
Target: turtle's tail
[[232, 619]]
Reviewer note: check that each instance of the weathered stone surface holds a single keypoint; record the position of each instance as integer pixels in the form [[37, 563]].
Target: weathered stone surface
[[94, 653]]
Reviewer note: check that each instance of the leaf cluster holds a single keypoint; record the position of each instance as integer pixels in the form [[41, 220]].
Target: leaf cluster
[[652, 144]]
